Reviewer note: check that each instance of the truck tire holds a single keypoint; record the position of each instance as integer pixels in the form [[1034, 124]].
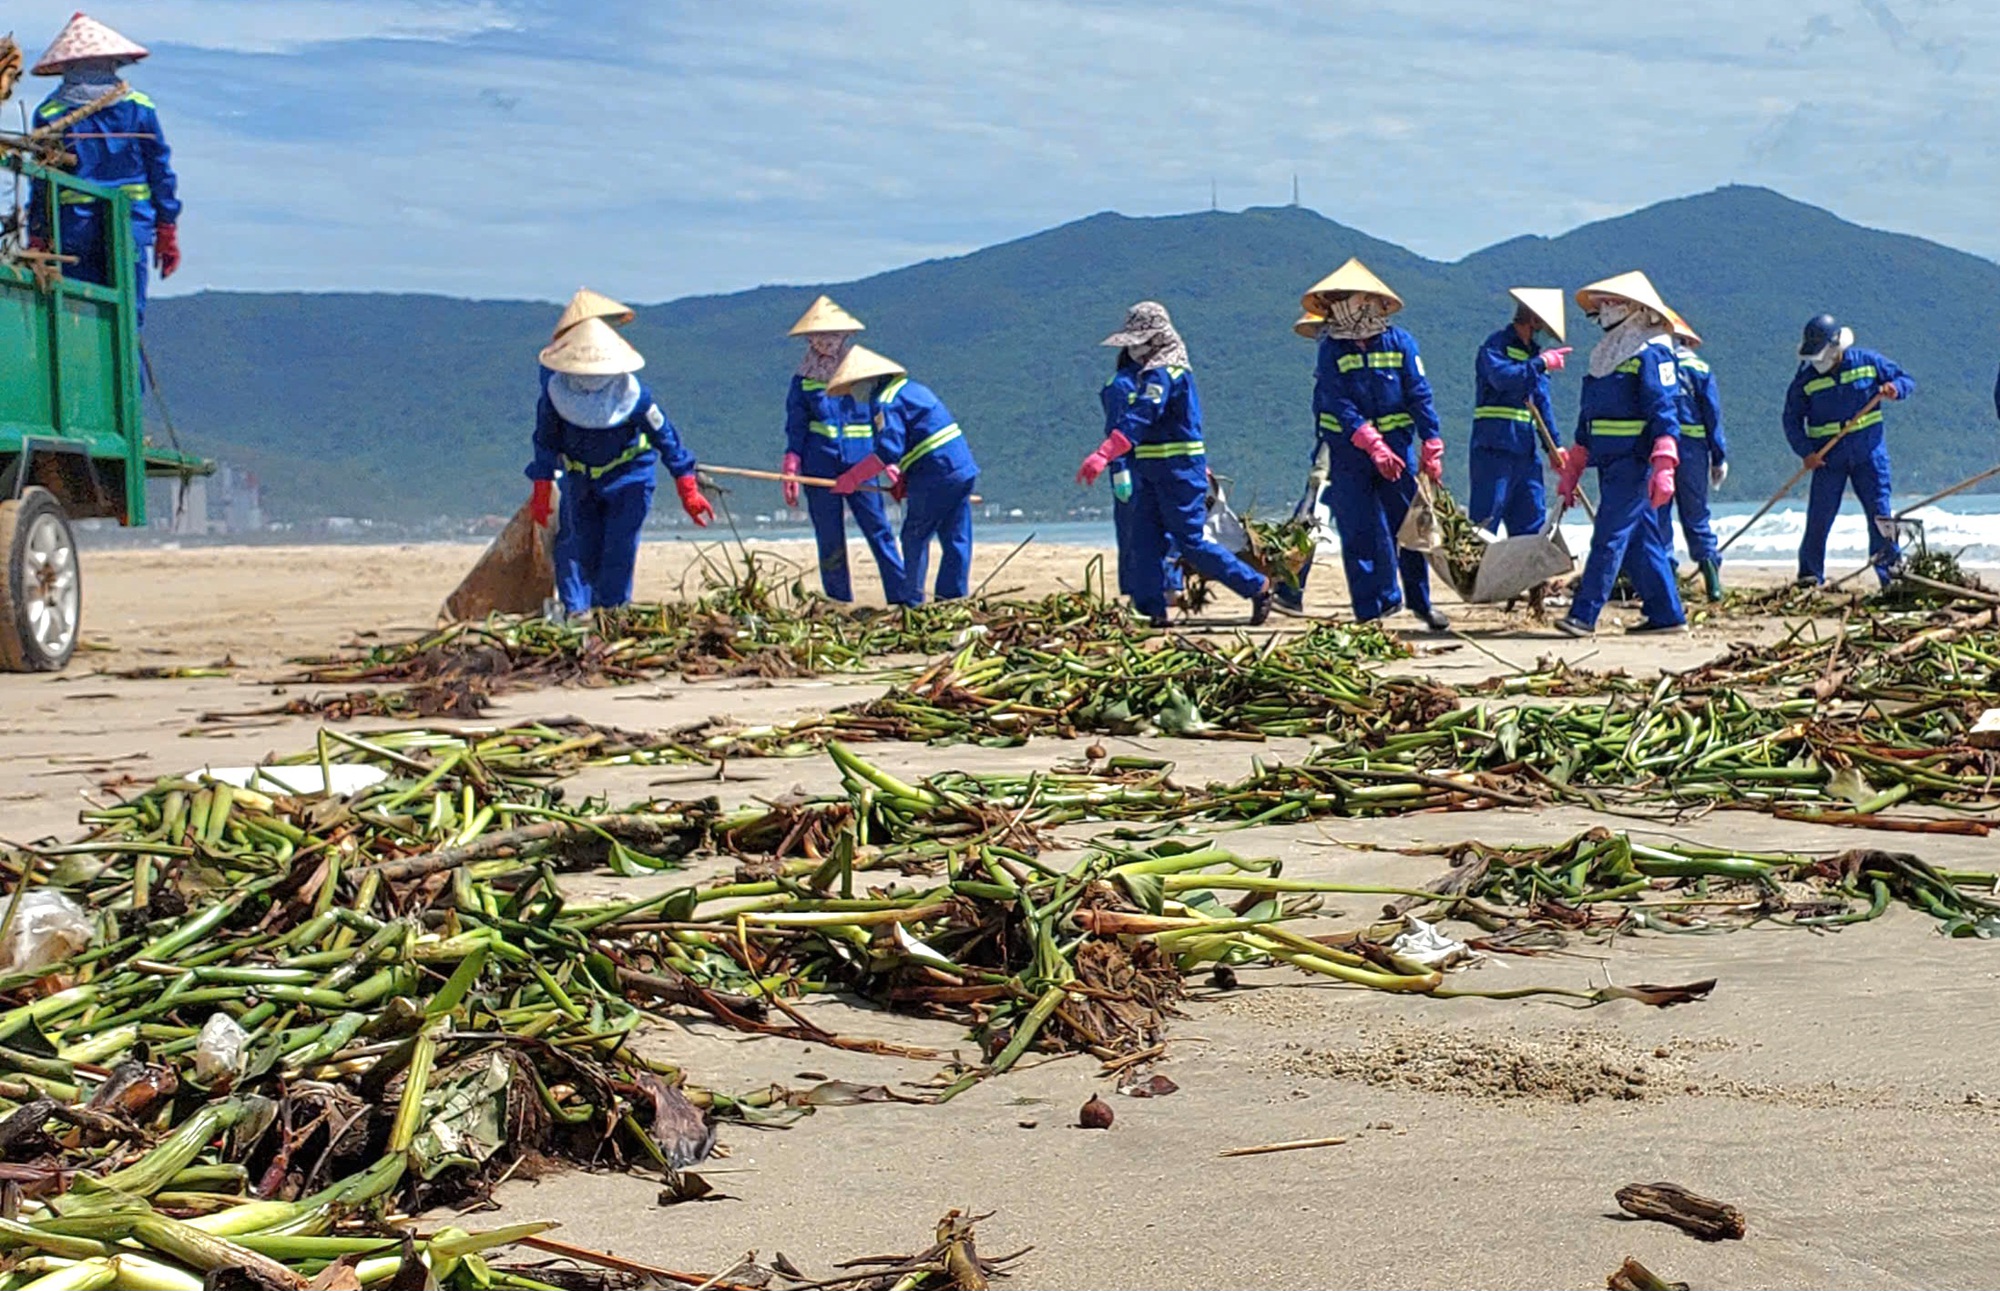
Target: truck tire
[[41, 588]]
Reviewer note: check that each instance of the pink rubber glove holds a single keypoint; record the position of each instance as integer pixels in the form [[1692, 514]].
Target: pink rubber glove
[[1555, 360], [1660, 484], [897, 489], [541, 502], [1388, 463], [1115, 445], [1431, 460], [793, 465], [1573, 461], [857, 475], [692, 502]]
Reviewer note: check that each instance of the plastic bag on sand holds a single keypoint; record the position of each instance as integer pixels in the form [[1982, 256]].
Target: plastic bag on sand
[[1423, 944], [219, 1051], [48, 928]]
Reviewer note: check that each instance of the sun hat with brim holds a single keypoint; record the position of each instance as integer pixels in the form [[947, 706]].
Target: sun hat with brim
[[1546, 304], [1350, 277], [589, 304], [862, 364], [1308, 326], [1144, 323], [85, 40], [592, 349], [1682, 332], [1634, 286], [822, 317]]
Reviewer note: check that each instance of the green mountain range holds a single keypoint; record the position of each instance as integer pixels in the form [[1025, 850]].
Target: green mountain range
[[405, 407]]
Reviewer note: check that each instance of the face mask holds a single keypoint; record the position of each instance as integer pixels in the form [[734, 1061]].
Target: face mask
[[1137, 353], [1611, 313], [1827, 359], [827, 347]]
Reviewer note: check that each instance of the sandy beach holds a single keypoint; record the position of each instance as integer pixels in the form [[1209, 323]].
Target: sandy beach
[[1841, 1088]]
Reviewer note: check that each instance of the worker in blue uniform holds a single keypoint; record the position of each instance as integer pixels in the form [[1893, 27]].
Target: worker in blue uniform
[[1373, 412], [598, 425], [117, 145], [1118, 395], [1628, 428], [1161, 430], [1704, 455], [929, 466], [826, 434], [1841, 387], [1511, 389]]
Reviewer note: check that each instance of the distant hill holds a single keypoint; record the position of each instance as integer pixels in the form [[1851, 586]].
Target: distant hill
[[402, 407]]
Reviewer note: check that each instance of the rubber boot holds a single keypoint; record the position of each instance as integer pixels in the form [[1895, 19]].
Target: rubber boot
[[1711, 579]]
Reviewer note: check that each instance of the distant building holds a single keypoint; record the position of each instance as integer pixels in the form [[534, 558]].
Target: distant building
[[228, 502]]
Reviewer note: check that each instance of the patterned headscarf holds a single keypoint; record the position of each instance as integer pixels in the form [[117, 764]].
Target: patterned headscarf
[[1628, 328], [824, 351], [1149, 337], [1357, 316]]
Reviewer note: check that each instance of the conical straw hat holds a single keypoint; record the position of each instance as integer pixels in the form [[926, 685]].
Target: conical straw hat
[[1308, 326], [825, 316], [591, 349], [1546, 304], [86, 38], [1634, 286], [862, 364], [1352, 276], [1682, 332], [589, 304]]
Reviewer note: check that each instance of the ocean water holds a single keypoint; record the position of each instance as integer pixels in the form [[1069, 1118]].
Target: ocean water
[[1968, 526]]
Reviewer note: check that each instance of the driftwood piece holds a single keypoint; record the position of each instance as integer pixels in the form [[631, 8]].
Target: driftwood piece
[[1634, 1276], [1669, 1203]]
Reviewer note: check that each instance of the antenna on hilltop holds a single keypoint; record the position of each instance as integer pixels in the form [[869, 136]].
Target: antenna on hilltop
[[1295, 189], [1212, 206]]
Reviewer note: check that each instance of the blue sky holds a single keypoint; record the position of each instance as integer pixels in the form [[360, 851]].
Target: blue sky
[[657, 148]]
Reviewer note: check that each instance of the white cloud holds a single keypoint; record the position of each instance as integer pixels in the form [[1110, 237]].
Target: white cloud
[[518, 146]]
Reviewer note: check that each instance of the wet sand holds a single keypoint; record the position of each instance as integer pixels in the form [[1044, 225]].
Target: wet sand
[[1842, 1089]]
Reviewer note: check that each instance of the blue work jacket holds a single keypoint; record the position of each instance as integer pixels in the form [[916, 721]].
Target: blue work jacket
[[1163, 419], [1818, 405], [120, 146], [915, 432], [1118, 395], [583, 454], [1509, 379], [1700, 403], [829, 432], [1378, 381], [1623, 413]]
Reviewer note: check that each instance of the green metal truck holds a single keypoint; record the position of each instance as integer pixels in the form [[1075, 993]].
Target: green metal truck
[[72, 433]]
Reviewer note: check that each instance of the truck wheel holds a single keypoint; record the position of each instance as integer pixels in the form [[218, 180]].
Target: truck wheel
[[41, 588]]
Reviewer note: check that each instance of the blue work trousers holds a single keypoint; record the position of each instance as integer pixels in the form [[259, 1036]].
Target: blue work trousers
[[1869, 477], [1130, 583], [85, 237], [598, 543], [830, 530], [1169, 508], [940, 508], [1632, 534], [1367, 512], [1507, 490], [1691, 501]]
